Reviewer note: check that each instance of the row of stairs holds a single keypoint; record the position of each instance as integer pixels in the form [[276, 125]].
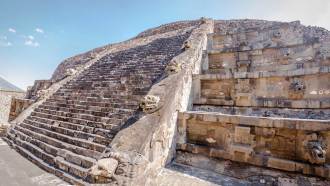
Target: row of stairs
[[71, 130]]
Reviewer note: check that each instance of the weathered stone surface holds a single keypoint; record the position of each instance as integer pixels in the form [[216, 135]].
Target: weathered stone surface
[[150, 104], [261, 99], [17, 106], [104, 169], [87, 124], [38, 89], [5, 104]]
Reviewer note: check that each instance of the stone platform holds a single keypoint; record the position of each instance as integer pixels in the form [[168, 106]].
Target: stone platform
[[262, 97]]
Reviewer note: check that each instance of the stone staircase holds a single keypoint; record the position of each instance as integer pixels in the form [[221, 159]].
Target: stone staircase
[[262, 98], [71, 130]]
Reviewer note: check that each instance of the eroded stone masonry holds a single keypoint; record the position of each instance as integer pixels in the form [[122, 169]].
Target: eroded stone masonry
[[246, 101]]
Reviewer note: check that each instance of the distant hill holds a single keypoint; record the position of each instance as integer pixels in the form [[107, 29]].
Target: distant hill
[[5, 85]]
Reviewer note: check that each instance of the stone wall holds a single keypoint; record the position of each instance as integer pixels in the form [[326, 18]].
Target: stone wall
[[309, 91], [263, 97], [291, 145], [36, 91], [18, 105], [5, 103]]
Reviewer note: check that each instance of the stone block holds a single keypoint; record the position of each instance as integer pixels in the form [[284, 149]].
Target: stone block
[[243, 56], [218, 153], [243, 135], [281, 164]]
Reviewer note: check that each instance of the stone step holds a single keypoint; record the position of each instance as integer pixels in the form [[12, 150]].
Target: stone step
[[108, 134], [96, 104], [97, 111], [113, 118], [128, 66], [102, 125], [122, 100], [71, 140], [124, 69], [69, 156], [24, 141], [113, 121], [111, 80], [96, 94], [112, 84], [77, 134], [88, 117], [73, 169], [74, 110], [59, 144], [90, 79], [51, 169]]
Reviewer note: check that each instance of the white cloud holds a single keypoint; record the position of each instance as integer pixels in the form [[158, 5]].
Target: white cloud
[[11, 30], [31, 43], [30, 37], [39, 30]]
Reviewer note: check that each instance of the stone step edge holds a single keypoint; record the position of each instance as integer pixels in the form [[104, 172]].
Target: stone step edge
[[40, 163], [269, 122], [49, 128], [90, 103], [67, 145], [76, 115], [86, 142], [258, 160], [63, 151], [77, 109], [115, 131], [36, 118]]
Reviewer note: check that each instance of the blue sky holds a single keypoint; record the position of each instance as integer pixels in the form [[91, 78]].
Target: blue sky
[[36, 35]]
